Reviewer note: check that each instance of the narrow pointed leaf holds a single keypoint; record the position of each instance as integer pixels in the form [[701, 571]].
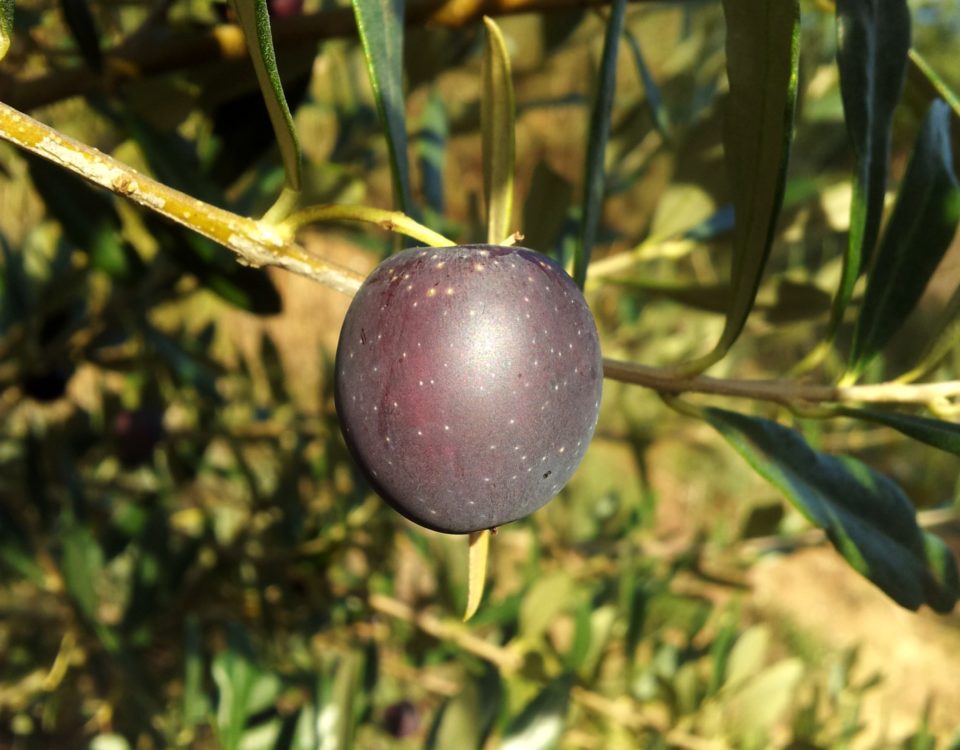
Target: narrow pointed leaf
[[935, 432], [658, 111], [873, 41], [6, 26], [594, 177], [918, 234], [865, 515], [763, 48], [380, 23], [497, 120], [477, 570], [254, 18]]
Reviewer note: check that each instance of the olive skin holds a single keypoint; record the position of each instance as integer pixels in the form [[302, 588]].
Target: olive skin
[[468, 383]]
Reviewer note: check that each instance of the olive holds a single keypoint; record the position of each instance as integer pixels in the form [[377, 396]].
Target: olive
[[468, 383]]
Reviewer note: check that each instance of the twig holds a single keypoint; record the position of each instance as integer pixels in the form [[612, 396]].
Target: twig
[[780, 391]]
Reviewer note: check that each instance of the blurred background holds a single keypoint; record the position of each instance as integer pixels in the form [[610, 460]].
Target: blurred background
[[188, 556]]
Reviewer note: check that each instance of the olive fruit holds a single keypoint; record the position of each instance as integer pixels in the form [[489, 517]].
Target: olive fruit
[[468, 383], [136, 434]]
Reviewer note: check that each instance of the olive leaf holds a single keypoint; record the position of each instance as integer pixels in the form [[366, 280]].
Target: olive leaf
[[380, 23], [254, 18], [763, 51], [597, 142], [920, 230], [865, 515], [540, 724], [497, 119], [873, 41], [658, 111]]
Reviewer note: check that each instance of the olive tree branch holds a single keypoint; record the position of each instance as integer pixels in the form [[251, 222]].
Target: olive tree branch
[[258, 243], [780, 391], [255, 243]]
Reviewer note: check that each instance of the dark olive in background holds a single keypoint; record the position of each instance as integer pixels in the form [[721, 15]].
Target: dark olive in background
[[468, 383]]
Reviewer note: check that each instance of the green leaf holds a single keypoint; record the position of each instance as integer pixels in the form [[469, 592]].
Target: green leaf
[[751, 712], [865, 515], [594, 172], [763, 51], [337, 697], [82, 565], [658, 111], [243, 688], [254, 18], [431, 147], [540, 725], [84, 31], [920, 230], [497, 122], [935, 432], [873, 40], [545, 208], [380, 23], [6, 26]]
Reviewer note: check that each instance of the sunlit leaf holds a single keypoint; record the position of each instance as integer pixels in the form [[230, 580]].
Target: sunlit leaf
[[873, 40], [243, 688], [920, 230], [497, 115], [254, 17], [594, 173], [752, 711], [865, 515], [763, 50], [540, 724], [381, 31]]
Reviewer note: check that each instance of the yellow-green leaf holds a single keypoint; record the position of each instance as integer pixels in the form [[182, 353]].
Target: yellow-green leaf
[[497, 118]]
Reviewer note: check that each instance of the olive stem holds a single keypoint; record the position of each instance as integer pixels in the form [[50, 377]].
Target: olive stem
[[779, 391], [392, 221]]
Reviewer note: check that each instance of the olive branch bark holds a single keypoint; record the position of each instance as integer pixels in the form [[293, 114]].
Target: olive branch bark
[[259, 243]]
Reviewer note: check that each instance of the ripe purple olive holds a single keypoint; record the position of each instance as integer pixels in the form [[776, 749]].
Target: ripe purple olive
[[468, 383]]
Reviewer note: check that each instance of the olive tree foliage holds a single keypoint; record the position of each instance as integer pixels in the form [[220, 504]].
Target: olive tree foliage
[[233, 181]]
